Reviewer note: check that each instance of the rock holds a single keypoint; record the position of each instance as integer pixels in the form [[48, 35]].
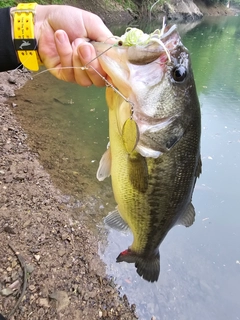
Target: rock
[[37, 257], [9, 230], [61, 298], [43, 302], [12, 80], [15, 285], [6, 91], [184, 10], [32, 287], [7, 291]]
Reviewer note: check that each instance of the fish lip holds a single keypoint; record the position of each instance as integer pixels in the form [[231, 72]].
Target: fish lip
[[145, 54]]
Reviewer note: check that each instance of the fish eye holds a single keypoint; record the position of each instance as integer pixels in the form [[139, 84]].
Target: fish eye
[[179, 73]]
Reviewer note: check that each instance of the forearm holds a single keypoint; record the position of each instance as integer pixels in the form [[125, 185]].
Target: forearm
[[8, 56]]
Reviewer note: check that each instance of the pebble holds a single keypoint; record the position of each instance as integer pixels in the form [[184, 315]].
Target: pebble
[[6, 292], [43, 302], [31, 287], [61, 252], [12, 80], [62, 299], [37, 257], [29, 268], [14, 263]]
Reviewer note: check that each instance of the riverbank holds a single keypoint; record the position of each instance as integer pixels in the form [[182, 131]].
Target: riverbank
[[66, 278], [174, 10]]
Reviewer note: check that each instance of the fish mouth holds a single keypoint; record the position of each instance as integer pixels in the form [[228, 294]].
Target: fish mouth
[[159, 47], [132, 72], [115, 58]]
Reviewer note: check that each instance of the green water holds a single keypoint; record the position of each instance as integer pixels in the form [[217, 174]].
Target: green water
[[200, 266]]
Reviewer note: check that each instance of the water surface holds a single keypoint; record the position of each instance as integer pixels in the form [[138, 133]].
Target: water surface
[[200, 266]]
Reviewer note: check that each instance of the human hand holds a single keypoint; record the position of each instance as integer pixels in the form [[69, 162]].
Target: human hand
[[63, 33]]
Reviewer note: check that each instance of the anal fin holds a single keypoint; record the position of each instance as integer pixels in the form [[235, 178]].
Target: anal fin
[[188, 217], [199, 167], [115, 221]]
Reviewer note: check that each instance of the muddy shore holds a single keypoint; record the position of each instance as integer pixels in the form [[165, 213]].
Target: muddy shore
[[65, 276]]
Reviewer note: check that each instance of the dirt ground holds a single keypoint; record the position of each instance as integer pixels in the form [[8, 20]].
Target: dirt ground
[[65, 276], [43, 248], [47, 258]]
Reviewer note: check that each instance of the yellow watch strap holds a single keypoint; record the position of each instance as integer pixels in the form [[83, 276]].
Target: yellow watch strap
[[24, 40]]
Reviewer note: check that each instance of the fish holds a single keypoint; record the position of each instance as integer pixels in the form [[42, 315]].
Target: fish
[[153, 156]]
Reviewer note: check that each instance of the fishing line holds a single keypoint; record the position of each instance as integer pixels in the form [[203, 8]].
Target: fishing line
[[82, 68], [86, 67], [108, 84]]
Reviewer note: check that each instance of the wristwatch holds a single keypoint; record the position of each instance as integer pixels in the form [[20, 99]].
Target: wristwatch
[[24, 40]]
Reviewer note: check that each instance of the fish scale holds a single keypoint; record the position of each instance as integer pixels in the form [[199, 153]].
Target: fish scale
[[154, 158]]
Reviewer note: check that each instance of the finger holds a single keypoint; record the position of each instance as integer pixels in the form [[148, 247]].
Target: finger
[[64, 49], [90, 23], [88, 58], [80, 74]]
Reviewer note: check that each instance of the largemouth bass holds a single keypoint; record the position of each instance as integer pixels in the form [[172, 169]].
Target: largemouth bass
[[154, 131]]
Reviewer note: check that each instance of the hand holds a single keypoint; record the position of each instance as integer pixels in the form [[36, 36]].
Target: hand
[[63, 33]]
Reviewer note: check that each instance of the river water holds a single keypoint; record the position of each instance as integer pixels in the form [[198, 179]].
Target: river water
[[200, 266]]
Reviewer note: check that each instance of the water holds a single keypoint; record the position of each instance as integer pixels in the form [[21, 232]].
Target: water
[[200, 266]]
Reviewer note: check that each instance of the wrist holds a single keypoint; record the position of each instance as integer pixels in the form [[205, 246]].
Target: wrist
[[24, 38], [40, 18]]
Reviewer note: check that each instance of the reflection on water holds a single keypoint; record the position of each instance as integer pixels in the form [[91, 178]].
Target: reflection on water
[[68, 128], [200, 266]]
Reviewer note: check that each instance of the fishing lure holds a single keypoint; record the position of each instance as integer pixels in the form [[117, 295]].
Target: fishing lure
[[136, 37], [133, 37]]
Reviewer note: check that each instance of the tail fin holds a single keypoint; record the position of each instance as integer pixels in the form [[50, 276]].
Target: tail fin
[[147, 267]]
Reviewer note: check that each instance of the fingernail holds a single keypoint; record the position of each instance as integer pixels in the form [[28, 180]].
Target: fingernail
[[61, 36], [84, 51]]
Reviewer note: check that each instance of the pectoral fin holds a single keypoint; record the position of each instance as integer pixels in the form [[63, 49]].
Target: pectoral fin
[[188, 217], [115, 221], [104, 169]]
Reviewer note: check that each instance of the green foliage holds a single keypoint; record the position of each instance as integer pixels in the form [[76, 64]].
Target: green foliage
[[124, 3], [212, 2], [236, 3], [13, 3], [7, 3]]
